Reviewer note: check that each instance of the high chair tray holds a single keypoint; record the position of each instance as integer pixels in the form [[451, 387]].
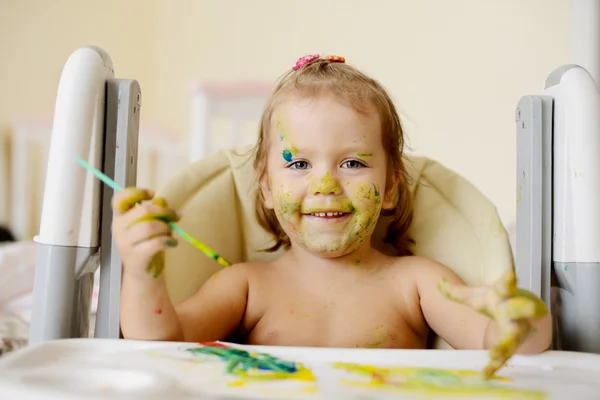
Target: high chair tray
[[126, 369]]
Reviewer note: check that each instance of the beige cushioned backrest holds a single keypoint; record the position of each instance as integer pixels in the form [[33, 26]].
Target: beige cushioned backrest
[[453, 222]]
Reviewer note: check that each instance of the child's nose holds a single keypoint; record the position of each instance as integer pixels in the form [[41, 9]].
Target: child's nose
[[328, 185]]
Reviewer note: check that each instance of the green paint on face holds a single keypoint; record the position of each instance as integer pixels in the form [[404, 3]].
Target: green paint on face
[[376, 191], [288, 209], [364, 154]]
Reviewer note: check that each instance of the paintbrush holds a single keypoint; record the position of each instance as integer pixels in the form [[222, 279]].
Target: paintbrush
[[189, 238]]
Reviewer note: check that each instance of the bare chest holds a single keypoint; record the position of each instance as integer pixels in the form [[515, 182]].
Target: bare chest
[[352, 318]]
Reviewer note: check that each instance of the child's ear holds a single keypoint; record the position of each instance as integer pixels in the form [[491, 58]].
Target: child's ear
[[390, 197], [265, 187]]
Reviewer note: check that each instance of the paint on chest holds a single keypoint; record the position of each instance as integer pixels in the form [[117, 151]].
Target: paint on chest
[[377, 337]]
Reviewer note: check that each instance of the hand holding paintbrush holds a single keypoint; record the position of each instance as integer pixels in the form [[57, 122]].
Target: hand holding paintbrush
[[142, 232]]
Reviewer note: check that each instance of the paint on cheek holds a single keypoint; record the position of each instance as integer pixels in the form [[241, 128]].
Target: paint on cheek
[[377, 194], [158, 311], [287, 208], [367, 215]]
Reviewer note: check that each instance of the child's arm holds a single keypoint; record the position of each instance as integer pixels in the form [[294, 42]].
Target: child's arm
[[142, 235], [212, 313], [499, 316]]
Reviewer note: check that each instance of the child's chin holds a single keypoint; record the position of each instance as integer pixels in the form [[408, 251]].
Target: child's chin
[[328, 250]]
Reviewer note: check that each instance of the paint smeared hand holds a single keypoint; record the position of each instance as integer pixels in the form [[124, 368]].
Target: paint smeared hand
[[512, 308], [141, 231]]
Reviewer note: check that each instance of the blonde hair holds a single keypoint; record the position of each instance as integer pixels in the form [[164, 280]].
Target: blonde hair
[[347, 84]]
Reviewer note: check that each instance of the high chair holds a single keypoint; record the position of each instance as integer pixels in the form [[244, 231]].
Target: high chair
[[453, 222]]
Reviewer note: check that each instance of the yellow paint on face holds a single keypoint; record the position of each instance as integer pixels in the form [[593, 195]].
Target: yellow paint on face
[[363, 202], [367, 213], [284, 137], [326, 185], [288, 209]]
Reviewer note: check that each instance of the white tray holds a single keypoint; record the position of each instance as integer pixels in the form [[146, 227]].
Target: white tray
[[124, 369]]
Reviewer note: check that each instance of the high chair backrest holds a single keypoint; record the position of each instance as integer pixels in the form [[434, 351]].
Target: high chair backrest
[[453, 222]]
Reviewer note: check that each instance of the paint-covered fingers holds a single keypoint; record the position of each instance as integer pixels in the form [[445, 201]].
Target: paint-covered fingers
[[517, 308], [149, 212], [126, 199], [142, 232], [523, 307], [146, 256], [513, 335], [506, 285], [540, 308]]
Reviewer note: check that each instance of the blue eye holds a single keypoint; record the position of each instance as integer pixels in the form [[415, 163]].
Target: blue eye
[[298, 165], [353, 164]]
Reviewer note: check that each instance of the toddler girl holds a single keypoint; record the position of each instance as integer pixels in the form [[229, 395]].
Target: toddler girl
[[329, 161]]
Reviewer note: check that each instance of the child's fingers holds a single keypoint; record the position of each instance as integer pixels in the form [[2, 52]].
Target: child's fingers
[[144, 231], [506, 285], [126, 199], [523, 308], [512, 336], [540, 307], [518, 308], [149, 212], [156, 244]]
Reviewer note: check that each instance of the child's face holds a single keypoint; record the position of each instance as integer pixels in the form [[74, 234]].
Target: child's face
[[326, 174]]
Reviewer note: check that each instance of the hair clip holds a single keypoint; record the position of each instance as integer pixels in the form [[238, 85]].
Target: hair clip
[[302, 61], [335, 59]]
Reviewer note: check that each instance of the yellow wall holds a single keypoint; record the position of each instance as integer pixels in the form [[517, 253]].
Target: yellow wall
[[455, 68]]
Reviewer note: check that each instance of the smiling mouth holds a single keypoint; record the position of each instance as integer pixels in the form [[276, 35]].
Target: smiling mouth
[[328, 214]]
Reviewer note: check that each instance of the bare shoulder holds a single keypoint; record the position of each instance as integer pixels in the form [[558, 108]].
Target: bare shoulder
[[240, 273], [237, 272], [425, 271]]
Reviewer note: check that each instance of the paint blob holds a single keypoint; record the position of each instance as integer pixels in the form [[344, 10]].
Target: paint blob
[[244, 364], [287, 155]]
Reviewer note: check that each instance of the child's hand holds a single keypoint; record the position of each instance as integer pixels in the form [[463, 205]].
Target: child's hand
[[141, 232], [512, 308]]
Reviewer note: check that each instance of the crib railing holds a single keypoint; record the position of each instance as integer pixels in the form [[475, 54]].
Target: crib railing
[[24, 158]]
